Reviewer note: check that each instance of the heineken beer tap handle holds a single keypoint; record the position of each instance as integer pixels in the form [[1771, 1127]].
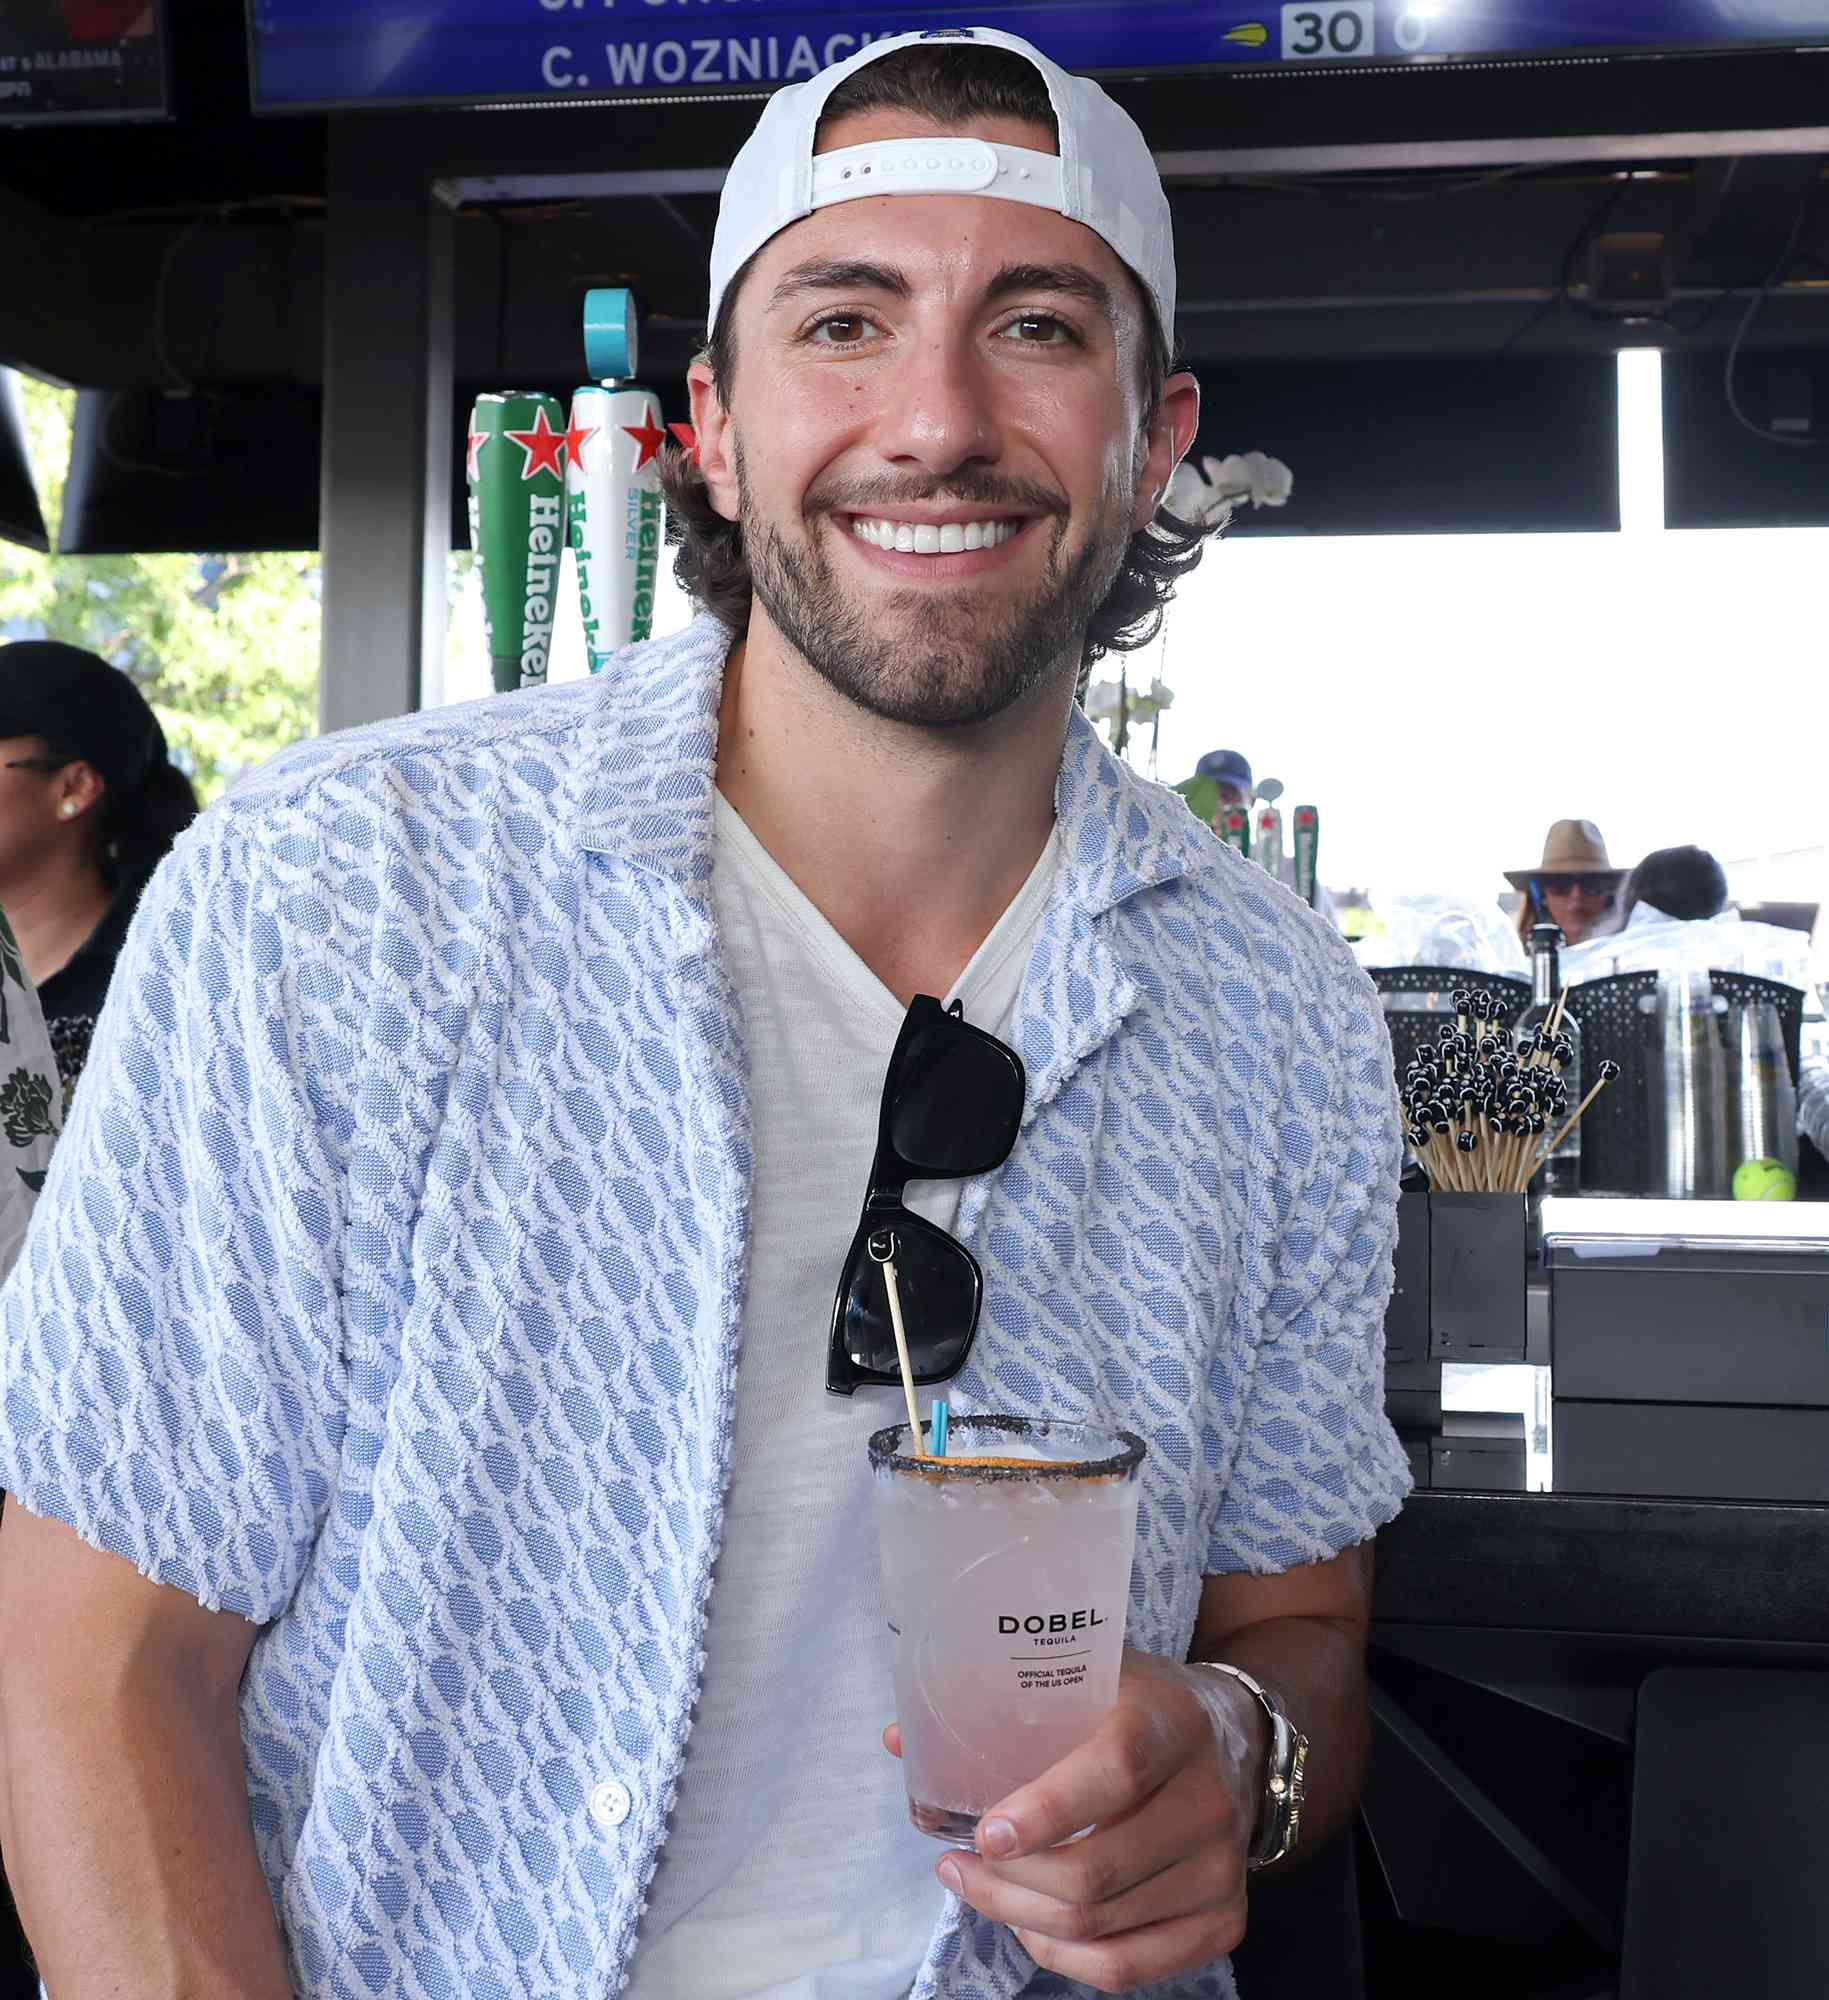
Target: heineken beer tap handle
[[1234, 827], [1307, 848], [515, 471], [613, 502], [1267, 836], [609, 333]]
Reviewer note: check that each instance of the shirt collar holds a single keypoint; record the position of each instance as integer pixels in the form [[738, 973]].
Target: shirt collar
[[652, 765]]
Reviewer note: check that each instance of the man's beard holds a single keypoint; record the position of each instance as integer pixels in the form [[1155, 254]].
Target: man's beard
[[931, 658]]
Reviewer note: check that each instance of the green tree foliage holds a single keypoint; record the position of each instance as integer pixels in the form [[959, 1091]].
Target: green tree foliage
[[224, 647]]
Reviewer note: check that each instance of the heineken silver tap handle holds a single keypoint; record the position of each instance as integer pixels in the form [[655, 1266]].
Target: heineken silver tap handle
[[612, 485]]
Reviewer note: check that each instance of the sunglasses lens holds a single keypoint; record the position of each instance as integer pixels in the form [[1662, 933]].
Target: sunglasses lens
[[938, 1286], [958, 1102]]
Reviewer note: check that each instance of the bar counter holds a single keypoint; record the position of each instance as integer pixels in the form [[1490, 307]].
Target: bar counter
[[1737, 1572], [1600, 1740]]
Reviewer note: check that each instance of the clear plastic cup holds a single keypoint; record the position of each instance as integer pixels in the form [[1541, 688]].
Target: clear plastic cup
[[1006, 1578]]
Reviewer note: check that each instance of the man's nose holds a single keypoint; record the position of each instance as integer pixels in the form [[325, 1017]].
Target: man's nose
[[940, 409]]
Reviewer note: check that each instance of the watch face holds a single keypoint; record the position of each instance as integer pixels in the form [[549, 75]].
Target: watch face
[[1298, 1784]]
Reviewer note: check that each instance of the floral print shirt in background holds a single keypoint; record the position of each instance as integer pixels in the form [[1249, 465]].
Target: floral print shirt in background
[[31, 1099], [71, 999]]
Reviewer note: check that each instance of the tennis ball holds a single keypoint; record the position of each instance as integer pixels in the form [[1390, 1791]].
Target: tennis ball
[[1764, 1180]]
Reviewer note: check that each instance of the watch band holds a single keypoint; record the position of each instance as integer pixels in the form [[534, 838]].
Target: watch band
[[1279, 1817]]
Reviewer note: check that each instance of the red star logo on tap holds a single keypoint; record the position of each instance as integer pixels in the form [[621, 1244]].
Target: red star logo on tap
[[544, 446], [576, 439], [476, 440], [649, 435]]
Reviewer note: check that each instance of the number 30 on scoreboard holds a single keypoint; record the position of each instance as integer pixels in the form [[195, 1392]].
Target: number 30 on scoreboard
[[1327, 30]]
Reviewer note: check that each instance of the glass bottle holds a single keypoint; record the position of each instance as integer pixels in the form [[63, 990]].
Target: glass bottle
[[1561, 1173]]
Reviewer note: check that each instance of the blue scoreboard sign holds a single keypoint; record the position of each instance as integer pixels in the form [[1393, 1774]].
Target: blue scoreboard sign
[[320, 52]]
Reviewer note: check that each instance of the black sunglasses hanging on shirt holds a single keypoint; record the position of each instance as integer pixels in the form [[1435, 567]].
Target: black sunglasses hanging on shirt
[[952, 1104]]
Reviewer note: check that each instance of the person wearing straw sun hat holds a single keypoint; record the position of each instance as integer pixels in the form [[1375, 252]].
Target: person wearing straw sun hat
[[1575, 885], [438, 1557]]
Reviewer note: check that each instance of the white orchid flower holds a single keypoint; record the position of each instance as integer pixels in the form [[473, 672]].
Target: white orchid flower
[[1145, 707], [1201, 502], [1205, 497], [1268, 481], [1139, 709], [1102, 701]]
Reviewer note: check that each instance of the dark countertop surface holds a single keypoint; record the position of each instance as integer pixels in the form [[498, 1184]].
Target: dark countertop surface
[[1704, 1569]]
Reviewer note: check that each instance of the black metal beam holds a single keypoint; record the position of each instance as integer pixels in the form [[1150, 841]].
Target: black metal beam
[[388, 382]]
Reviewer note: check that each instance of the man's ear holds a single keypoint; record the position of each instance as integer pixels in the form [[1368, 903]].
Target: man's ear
[[1167, 441], [711, 422]]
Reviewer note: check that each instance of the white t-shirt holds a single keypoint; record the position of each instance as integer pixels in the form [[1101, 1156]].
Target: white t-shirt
[[790, 1871]]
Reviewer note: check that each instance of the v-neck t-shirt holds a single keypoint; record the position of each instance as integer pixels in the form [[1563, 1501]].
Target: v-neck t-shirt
[[790, 1871]]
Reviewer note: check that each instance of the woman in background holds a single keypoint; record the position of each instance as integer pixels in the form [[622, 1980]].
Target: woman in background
[[1575, 885], [90, 803]]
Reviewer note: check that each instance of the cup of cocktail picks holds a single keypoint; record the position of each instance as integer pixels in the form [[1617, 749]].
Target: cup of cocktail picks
[[1484, 1109]]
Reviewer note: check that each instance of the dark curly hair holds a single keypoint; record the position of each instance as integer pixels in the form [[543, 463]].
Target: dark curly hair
[[950, 85], [1687, 883]]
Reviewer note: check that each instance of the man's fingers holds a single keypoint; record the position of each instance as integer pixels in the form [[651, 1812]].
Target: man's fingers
[[1141, 1958], [1119, 1853], [1132, 1754], [1204, 1881]]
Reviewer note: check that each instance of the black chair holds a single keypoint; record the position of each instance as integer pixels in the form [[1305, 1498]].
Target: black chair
[[1746, 989], [1418, 998], [1619, 1023]]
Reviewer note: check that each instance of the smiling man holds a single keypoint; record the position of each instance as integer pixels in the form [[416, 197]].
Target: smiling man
[[437, 1564]]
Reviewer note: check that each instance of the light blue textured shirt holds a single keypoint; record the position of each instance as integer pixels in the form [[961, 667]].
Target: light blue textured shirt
[[387, 1283]]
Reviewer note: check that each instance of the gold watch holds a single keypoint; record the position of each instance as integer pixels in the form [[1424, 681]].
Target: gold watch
[[1279, 1818]]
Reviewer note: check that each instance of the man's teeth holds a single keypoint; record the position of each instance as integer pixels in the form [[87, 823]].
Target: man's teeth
[[926, 540]]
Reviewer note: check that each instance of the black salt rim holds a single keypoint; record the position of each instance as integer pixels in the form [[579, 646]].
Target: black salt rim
[[885, 1458]]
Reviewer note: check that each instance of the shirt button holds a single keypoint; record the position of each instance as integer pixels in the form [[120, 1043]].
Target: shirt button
[[610, 1803]]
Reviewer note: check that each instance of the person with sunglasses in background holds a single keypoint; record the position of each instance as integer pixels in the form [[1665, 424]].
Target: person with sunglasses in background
[[90, 803], [1574, 886], [438, 1384]]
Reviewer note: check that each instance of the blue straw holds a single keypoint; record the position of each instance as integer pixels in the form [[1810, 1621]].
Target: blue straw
[[942, 1420]]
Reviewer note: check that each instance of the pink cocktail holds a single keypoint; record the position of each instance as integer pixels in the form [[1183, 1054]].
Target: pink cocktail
[[1006, 1578]]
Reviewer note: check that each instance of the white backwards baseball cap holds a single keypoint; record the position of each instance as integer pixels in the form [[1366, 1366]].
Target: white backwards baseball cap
[[777, 178]]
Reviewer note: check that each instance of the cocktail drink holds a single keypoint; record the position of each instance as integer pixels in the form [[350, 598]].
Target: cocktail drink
[[1006, 1578]]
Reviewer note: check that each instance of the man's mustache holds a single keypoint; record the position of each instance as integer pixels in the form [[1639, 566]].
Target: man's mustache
[[964, 487]]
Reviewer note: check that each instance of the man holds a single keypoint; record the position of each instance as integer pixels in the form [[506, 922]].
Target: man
[[1223, 778], [1674, 911], [435, 1279]]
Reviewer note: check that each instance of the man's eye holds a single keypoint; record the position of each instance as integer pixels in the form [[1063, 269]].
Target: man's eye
[[1039, 330], [839, 330]]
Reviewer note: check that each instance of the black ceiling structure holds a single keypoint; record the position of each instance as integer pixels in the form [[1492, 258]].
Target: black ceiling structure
[[1421, 269]]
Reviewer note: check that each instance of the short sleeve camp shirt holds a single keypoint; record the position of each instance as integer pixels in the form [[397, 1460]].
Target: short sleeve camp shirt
[[387, 1284]]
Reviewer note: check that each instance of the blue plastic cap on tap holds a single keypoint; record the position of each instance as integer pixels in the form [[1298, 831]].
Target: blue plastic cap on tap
[[609, 333]]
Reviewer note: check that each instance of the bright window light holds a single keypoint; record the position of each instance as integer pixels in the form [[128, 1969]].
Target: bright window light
[[1641, 441]]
